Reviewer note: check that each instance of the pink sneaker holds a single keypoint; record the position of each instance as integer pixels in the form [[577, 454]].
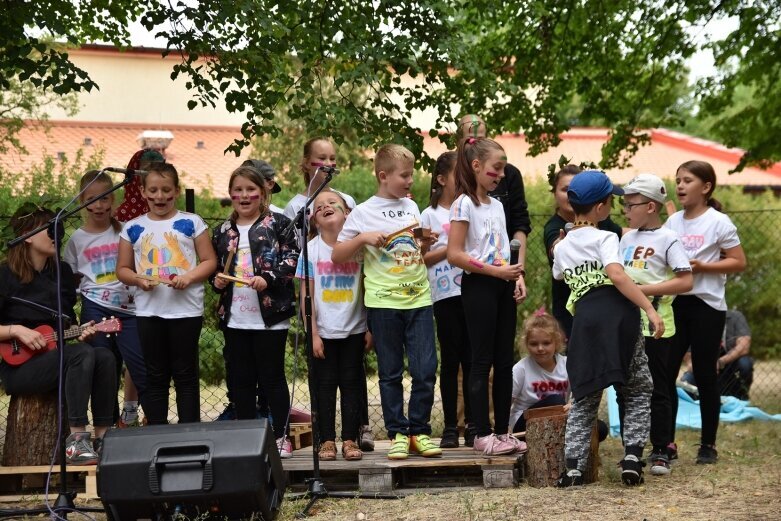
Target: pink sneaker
[[492, 445], [285, 447], [520, 446]]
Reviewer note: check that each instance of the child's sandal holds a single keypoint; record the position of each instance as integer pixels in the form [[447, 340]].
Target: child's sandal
[[351, 451], [327, 451]]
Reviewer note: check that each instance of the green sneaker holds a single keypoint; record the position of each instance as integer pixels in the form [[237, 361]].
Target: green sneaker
[[423, 445], [399, 448]]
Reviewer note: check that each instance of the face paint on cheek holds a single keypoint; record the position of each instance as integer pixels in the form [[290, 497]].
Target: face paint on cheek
[[492, 174], [169, 199], [338, 207]]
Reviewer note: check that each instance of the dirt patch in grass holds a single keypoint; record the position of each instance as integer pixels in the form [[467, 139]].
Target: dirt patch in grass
[[744, 485]]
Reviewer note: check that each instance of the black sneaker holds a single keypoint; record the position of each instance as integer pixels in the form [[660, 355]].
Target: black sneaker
[[79, 450], [228, 414], [449, 438], [97, 446], [570, 478], [632, 470], [672, 451], [470, 432], [660, 463], [707, 455], [366, 439]]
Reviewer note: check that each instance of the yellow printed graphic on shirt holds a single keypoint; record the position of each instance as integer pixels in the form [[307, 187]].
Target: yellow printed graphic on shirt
[[162, 260]]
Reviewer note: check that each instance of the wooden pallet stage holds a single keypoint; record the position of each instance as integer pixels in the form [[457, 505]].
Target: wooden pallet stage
[[375, 473], [30, 481]]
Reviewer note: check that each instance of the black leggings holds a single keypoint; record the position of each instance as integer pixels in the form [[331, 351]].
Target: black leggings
[[698, 327], [170, 347], [341, 368], [89, 374], [660, 352], [257, 358], [455, 352], [490, 311]]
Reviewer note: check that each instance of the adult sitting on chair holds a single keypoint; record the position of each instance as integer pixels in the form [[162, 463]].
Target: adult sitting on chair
[[736, 368], [29, 273]]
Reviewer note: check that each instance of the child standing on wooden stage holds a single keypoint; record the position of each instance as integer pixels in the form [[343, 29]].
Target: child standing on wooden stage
[[490, 288], [167, 254], [255, 314], [339, 331], [445, 281], [92, 254]]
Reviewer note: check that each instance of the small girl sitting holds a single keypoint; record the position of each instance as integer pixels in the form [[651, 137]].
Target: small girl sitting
[[540, 379]]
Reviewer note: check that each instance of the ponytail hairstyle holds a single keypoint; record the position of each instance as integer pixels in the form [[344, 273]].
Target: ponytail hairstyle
[[252, 175], [307, 152], [470, 149], [443, 167], [705, 173], [94, 177], [542, 321]]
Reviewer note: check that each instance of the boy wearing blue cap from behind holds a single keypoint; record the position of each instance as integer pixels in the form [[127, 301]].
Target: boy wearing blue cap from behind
[[607, 345]]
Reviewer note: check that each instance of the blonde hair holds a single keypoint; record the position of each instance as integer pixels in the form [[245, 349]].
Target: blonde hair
[[546, 323], [307, 153], [94, 177], [388, 157]]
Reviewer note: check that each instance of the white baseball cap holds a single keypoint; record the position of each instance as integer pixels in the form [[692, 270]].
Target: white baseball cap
[[648, 185]]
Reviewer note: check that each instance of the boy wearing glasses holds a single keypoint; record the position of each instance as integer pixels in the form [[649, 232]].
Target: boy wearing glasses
[[655, 259]]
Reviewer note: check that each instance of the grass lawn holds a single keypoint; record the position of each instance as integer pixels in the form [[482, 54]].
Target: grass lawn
[[744, 485]]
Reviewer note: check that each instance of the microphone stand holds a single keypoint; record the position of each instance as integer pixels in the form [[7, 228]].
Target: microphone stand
[[315, 486], [64, 502]]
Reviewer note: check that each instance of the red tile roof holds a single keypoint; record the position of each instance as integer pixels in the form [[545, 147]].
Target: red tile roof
[[205, 166], [662, 157], [208, 167]]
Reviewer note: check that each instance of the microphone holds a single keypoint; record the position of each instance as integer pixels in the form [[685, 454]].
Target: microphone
[[568, 228], [126, 171], [329, 170], [515, 248]]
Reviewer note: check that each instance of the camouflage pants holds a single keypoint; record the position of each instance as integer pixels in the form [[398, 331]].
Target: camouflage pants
[[636, 394]]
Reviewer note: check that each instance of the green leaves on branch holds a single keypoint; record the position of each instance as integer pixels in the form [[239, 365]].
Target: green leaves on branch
[[532, 66]]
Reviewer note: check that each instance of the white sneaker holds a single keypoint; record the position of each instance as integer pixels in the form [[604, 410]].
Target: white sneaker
[[285, 447]]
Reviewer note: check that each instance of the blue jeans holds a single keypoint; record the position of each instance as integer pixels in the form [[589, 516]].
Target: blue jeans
[[394, 332], [125, 345]]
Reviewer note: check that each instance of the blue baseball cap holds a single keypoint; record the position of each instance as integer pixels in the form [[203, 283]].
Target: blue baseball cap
[[591, 186]]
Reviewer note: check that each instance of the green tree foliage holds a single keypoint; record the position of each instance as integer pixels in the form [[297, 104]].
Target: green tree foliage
[[515, 62]]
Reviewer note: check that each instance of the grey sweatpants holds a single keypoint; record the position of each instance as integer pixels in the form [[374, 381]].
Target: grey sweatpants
[[636, 394]]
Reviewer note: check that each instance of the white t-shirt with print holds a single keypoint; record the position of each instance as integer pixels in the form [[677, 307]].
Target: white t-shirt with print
[[532, 383], [162, 249], [580, 260], [94, 255], [703, 239], [444, 278], [650, 257], [486, 238], [338, 303], [395, 274], [245, 306]]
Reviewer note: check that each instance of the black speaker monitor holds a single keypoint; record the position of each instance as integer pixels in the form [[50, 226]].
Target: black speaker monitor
[[227, 469]]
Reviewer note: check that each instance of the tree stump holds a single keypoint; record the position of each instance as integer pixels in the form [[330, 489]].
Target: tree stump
[[545, 428], [31, 431]]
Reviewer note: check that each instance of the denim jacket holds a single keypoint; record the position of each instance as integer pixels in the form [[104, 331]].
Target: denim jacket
[[274, 257]]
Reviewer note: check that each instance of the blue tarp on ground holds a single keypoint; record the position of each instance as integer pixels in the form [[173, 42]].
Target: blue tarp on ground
[[732, 410]]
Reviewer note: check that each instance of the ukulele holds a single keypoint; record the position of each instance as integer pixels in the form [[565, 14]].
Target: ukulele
[[15, 353]]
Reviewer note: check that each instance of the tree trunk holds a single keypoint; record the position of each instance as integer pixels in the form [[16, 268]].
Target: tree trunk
[[545, 428], [31, 431]]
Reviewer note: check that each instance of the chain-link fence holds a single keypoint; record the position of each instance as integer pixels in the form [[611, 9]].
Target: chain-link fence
[[754, 292]]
